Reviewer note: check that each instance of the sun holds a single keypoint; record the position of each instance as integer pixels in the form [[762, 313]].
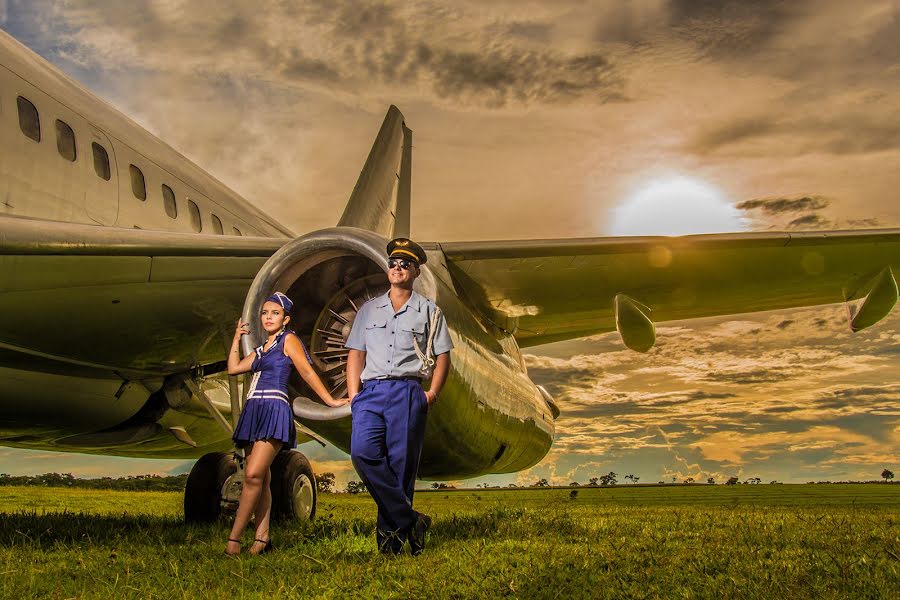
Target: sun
[[675, 206]]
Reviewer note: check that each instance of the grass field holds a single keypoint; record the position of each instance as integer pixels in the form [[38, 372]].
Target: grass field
[[763, 541]]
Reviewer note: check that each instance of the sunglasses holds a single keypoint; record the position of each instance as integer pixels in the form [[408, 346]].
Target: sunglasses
[[400, 262]]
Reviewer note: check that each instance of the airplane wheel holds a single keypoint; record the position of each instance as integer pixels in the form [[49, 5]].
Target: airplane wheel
[[203, 490], [293, 487]]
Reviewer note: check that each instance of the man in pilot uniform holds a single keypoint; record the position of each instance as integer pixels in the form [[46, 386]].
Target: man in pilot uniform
[[389, 411]]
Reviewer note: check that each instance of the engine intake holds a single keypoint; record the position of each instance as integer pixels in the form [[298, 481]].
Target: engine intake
[[329, 274]]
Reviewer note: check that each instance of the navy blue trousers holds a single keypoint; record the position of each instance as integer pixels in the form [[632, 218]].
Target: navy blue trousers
[[385, 444]]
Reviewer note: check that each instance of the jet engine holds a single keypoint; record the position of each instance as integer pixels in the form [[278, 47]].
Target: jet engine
[[491, 418]]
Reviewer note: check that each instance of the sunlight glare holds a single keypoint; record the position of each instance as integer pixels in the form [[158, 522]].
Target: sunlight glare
[[675, 206]]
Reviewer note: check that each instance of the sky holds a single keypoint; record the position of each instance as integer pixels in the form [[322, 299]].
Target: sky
[[557, 120]]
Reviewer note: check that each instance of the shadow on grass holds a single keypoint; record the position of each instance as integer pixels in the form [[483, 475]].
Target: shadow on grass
[[45, 530]]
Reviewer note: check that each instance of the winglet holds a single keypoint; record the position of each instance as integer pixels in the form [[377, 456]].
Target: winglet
[[380, 201]]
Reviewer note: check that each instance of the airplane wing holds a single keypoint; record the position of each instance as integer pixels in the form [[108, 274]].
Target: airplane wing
[[552, 290], [124, 300]]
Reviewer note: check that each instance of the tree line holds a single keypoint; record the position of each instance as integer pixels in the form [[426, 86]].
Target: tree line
[[143, 483], [325, 482]]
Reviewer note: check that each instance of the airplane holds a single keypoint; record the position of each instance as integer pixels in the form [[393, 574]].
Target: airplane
[[124, 266]]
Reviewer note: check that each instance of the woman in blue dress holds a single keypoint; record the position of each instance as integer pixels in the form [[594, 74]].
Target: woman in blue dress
[[267, 422]]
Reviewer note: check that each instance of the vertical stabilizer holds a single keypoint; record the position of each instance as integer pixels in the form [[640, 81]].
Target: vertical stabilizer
[[380, 201]]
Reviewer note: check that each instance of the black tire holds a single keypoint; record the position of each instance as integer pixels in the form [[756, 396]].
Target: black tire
[[293, 487], [203, 490]]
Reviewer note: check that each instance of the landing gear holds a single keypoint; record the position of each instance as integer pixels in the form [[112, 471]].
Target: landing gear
[[293, 487], [203, 490]]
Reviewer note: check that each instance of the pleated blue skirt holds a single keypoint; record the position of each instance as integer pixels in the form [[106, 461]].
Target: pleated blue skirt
[[265, 419]]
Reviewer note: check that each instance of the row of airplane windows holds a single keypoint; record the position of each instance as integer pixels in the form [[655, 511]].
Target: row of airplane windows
[[30, 124]]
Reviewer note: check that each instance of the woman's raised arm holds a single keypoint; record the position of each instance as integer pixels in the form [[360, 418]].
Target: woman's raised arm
[[236, 365]]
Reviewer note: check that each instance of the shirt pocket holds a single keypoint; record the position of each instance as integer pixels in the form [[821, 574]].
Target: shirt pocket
[[376, 334], [411, 329]]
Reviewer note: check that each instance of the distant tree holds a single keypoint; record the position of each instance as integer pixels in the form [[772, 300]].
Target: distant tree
[[542, 482], [574, 484], [355, 487], [325, 483], [629, 476], [441, 486], [689, 480], [772, 482], [512, 485], [732, 481], [887, 475], [674, 478], [593, 481], [635, 478], [608, 479], [711, 480]]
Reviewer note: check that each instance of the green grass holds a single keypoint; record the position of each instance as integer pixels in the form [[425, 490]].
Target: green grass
[[766, 541]]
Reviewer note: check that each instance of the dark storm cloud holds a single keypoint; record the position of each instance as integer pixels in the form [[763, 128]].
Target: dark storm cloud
[[502, 76], [732, 27], [812, 221], [368, 42], [378, 42], [775, 206]]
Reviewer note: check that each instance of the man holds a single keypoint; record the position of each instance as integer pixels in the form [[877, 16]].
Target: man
[[388, 339]]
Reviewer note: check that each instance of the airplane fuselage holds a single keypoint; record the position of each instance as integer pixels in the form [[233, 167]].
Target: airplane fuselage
[[93, 336]]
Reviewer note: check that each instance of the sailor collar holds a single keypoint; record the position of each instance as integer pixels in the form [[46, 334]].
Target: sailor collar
[[278, 336]]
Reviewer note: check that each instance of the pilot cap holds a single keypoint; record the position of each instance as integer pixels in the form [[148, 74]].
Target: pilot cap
[[406, 248], [282, 300]]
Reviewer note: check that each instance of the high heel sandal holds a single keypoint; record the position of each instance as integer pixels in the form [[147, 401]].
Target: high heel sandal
[[267, 546], [238, 542]]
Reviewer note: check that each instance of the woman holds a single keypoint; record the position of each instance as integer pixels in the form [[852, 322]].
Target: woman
[[267, 422]]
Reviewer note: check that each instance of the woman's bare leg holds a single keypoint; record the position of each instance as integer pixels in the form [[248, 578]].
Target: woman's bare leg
[[263, 514], [262, 453]]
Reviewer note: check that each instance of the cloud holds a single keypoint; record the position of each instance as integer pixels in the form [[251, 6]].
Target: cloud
[[347, 47], [809, 222], [725, 28], [775, 206], [782, 212], [852, 447]]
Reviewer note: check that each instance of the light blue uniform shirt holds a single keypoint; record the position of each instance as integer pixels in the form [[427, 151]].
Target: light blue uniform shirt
[[387, 337]]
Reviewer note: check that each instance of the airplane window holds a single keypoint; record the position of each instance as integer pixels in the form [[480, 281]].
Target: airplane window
[[169, 201], [101, 161], [236, 231], [29, 121], [138, 187], [217, 225], [65, 141], [196, 223]]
